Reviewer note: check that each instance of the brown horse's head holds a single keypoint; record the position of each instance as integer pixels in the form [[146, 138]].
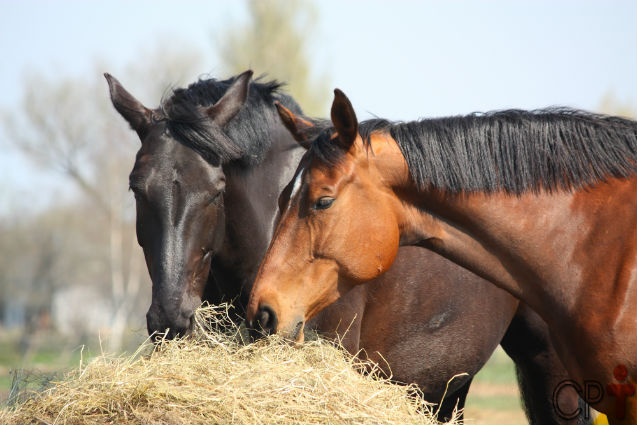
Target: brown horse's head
[[178, 193], [338, 225]]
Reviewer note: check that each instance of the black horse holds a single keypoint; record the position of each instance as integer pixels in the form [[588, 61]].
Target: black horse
[[214, 159]]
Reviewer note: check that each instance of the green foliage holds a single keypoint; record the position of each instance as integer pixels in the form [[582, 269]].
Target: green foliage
[[275, 42]]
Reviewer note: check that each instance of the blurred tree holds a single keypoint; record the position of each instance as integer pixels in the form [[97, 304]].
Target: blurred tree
[[276, 41], [69, 126], [612, 106], [39, 253]]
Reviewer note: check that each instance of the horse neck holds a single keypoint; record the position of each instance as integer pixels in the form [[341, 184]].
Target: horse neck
[[532, 245], [256, 188], [251, 206]]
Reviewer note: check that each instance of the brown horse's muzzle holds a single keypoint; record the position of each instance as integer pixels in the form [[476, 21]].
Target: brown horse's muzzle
[[266, 322]]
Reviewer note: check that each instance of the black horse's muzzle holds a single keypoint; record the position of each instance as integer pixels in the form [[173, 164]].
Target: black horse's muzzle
[[169, 326]]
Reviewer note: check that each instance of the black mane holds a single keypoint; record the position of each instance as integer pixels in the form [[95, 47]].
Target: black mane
[[513, 150], [246, 136]]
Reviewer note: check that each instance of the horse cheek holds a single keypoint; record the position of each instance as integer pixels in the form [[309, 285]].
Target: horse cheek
[[388, 250], [380, 250]]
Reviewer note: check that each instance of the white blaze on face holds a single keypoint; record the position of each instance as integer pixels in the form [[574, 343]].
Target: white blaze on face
[[297, 185]]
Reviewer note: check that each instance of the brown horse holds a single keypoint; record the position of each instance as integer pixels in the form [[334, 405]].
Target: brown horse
[[543, 204]]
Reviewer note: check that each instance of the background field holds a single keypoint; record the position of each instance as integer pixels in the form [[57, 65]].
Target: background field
[[494, 398]]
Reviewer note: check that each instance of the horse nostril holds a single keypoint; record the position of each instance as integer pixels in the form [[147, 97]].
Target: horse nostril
[[297, 330], [266, 319]]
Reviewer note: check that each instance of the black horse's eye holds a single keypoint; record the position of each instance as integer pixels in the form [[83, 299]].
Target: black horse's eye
[[136, 192], [215, 198], [324, 203]]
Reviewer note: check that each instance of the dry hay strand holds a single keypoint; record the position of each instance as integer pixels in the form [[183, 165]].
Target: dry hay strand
[[213, 378]]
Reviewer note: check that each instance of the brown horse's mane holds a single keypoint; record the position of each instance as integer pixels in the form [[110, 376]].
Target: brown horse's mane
[[513, 150]]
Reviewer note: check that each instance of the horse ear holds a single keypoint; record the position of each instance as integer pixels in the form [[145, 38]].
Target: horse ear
[[344, 119], [232, 100], [301, 129], [137, 115]]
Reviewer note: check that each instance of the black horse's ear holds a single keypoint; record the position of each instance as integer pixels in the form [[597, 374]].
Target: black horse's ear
[[344, 119], [137, 115], [232, 100], [300, 128]]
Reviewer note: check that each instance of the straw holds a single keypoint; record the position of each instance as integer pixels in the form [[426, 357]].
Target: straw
[[213, 378]]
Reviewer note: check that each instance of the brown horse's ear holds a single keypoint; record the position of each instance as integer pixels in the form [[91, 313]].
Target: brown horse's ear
[[301, 129], [137, 115], [232, 100], [344, 119]]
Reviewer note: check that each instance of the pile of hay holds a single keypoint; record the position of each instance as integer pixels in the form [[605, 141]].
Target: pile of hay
[[214, 379]]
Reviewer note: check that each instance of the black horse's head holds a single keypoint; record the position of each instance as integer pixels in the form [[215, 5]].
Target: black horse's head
[[178, 190]]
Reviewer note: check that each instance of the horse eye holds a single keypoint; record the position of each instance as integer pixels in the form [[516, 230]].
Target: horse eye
[[324, 203], [216, 197], [136, 192]]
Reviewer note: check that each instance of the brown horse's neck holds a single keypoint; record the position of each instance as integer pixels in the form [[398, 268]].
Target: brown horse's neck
[[547, 249]]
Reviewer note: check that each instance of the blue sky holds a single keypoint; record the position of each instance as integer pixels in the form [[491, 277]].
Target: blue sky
[[399, 59]]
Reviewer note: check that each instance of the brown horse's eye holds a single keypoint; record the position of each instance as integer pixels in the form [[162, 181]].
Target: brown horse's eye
[[324, 203]]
